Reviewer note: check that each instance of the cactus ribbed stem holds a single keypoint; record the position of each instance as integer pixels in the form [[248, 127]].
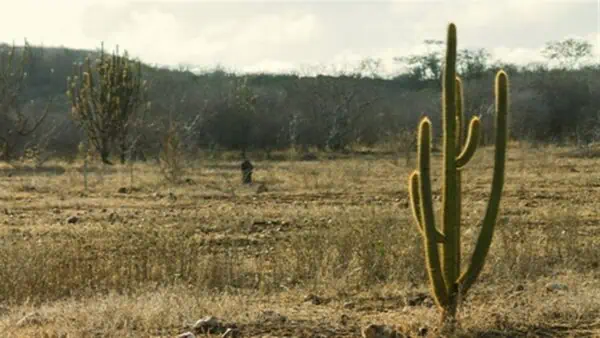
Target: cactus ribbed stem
[[443, 248], [427, 213], [460, 116], [489, 220], [450, 182]]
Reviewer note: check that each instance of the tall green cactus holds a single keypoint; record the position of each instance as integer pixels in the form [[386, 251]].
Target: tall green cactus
[[443, 246], [105, 97]]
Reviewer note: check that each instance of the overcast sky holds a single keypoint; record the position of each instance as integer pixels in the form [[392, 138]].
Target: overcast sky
[[282, 35]]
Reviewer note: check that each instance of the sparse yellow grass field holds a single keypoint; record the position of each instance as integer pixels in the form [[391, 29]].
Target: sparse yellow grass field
[[151, 259]]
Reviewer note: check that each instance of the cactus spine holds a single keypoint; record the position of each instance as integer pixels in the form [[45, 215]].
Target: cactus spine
[[443, 246]]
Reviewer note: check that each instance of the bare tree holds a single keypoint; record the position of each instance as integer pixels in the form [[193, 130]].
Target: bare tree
[[330, 109], [569, 53], [15, 123], [171, 159], [428, 66]]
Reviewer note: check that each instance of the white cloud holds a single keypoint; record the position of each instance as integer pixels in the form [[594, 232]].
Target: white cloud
[[50, 23], [161, 37], [280, 35], [517, 55], [270, 66], [274, 29]]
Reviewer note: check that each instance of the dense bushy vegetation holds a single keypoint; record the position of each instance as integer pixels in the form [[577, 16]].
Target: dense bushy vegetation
[[215, 110]]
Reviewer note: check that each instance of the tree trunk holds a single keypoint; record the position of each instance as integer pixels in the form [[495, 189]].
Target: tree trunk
[[104, 155], [123, 156]]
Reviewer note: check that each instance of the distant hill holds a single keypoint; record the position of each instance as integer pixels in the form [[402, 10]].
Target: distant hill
[[324, 112]]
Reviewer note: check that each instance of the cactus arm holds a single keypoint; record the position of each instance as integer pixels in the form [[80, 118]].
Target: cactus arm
[[415, 199], [427, 215], [485, 236], [449, 193], [415, 202], [471, 144]]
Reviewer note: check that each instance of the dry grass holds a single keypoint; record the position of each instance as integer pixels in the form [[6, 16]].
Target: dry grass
[[152, 258]]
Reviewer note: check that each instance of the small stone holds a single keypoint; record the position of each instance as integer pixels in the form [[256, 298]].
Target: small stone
[[552, 287], [349, 305], [123, 190], [187, 335], [207, 324], [423, 331], [72, 219], [231, 333], [380, 331]]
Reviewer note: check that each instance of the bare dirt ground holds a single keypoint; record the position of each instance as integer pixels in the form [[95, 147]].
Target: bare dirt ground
[[312, 249]]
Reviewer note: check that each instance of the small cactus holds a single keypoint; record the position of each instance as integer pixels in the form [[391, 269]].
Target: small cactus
[[443, 246]]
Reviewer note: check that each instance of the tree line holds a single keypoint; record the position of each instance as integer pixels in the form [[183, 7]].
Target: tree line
[[54, 100]]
